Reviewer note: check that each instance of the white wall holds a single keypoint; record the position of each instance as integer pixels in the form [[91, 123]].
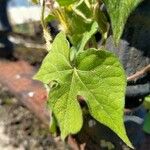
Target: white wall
[[21, 11]]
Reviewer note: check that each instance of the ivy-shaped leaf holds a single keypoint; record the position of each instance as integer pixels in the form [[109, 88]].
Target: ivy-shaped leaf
[[119, 11], [97, 76], [56, 67]]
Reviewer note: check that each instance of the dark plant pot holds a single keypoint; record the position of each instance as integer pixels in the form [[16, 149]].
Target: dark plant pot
[[4, 23], [6, 47], [134, 120], [97, 136]]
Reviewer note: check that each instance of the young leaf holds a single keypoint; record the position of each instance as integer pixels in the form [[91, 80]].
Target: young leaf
[[79, 18], [66, 2], [97, 76], [119, 11], [88, 35]]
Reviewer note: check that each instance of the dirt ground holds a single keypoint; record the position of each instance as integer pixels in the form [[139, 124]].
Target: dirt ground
[[21, 130]]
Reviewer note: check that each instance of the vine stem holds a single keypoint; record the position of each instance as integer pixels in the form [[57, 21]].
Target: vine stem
[[139, 73], [46, 33], [42, 14]]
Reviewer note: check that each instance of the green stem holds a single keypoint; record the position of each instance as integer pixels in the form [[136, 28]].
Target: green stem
[[42, 14]]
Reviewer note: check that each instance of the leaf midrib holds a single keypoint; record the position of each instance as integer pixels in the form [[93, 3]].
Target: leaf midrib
[[68, 98]]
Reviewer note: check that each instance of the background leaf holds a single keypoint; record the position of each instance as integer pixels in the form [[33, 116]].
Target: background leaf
[[35, 1], [119, 11], [66, 2], [87, 36], [77, 26], [146, 126], [147, 102]]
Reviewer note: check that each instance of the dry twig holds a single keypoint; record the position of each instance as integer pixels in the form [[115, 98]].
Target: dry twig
[[139, 73]]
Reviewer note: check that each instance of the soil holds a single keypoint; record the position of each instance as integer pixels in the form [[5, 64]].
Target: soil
[[21, 130]]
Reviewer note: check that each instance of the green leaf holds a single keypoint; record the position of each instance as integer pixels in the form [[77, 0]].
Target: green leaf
[[103, 86], [147, 102], [53, 124], [49, 18], [66, 2], [35, 1], [56, 65], [101, 20], [79, 20], [87, 35], [64, 104], [119, 11], [78, 27], [97, 75], [84, 10], [146, 126]]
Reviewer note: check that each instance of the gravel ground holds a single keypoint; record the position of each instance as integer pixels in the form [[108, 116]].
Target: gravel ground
[[20, 130]]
